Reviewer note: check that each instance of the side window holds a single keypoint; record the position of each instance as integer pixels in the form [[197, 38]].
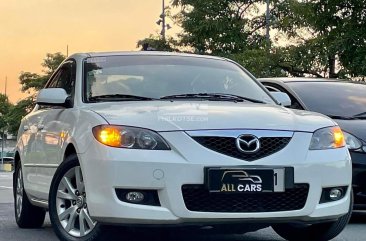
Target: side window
[[53, 81], [65, 78], [276, 88]]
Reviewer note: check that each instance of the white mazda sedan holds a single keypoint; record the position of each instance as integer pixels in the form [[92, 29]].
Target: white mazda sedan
[[163, 139]]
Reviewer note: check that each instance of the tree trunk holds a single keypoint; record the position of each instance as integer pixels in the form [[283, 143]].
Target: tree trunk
[[332, 66]]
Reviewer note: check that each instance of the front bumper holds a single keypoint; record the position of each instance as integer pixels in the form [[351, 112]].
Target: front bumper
[[106, 169], [358, 181]]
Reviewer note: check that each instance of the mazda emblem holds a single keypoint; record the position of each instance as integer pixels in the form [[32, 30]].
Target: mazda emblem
[[247, 143]]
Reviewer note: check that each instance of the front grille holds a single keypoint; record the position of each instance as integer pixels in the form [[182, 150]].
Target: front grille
[[227, 146], [198, 199]]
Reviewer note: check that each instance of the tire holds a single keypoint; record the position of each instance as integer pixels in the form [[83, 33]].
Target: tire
[[314, 232], [68, 209], [26, 215]]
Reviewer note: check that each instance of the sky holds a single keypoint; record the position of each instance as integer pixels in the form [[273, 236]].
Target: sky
[[29, 29]]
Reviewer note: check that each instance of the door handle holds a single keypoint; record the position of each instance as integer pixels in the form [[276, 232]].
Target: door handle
[[25, 128], [40, 126]]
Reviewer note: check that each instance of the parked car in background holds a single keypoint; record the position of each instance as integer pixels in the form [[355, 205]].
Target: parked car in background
[[343, 101], [8, 160], [154, 138]]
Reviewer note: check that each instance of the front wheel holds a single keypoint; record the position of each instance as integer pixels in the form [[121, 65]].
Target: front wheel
[[68, 206], [314, 232]]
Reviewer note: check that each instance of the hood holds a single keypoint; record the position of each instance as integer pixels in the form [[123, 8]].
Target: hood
[[354, 127], [200, 115]]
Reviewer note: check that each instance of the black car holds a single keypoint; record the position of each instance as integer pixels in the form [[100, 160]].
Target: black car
[[343, 101]]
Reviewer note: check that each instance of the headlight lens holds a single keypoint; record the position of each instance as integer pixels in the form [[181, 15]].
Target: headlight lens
[[129, 137], [327, 138], [352, 142]]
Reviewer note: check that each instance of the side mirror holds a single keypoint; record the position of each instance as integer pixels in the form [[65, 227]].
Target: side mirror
[[282, 98], [53, 96]]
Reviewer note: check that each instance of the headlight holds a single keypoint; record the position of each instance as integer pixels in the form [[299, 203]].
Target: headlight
[[327, 138], [129, 137], [352, 142]]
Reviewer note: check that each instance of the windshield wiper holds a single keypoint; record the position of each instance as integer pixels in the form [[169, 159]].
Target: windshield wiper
[[118, 97], [212, 97], [361, 115], [339, 117]]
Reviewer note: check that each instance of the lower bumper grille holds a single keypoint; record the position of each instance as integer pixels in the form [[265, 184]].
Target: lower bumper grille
[[197, 198]]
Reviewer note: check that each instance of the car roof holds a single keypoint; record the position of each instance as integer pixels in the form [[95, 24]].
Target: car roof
[[308, 80], [144, 53]]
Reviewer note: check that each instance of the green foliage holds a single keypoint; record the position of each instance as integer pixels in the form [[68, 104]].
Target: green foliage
[[51, 62], [230, 28], [323, 38], [33, 81], [220, 27], [305, 59], [5, 105], [336, 33], [259, 62], [30, 82], [156, 43], [17, 112]]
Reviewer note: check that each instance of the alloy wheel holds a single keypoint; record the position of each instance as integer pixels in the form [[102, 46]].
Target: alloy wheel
[[19, 193], [71, 204]]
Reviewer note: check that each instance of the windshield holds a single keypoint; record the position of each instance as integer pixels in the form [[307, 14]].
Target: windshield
[[332, 98], [158, 76]]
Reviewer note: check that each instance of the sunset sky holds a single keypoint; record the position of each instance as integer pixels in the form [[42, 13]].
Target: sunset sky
[[31, 28]]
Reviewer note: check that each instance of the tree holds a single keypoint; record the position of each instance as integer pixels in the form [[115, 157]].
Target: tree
[[157, 43], [321, 38], [334, 41], [30, 82], [5, 105], [17, 112], [221, 27], [260, 62], [232, 28], [33, 81]]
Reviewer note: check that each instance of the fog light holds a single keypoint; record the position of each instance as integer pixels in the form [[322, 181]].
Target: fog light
[[138, 196], [135, 197], [335, 194], [331, 194]]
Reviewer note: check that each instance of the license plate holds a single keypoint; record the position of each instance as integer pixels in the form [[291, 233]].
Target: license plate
[[245, 180]]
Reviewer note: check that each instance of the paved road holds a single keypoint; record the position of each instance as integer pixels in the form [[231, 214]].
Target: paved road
[[356, 231], [6, 189]]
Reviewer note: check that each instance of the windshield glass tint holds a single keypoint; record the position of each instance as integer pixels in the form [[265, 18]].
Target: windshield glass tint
[[333, 98], [158, 76]]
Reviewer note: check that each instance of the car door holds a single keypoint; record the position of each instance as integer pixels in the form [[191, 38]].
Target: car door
[[30, 151], [50, 129]]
